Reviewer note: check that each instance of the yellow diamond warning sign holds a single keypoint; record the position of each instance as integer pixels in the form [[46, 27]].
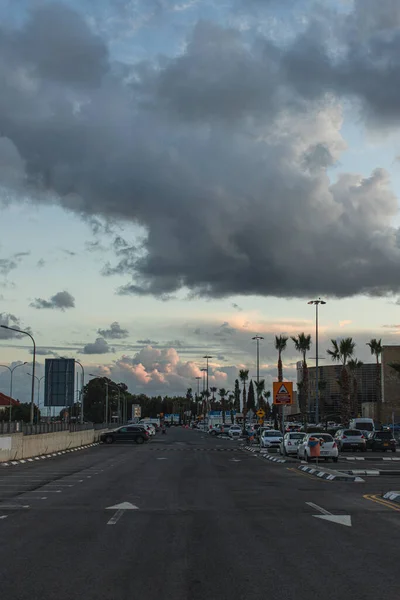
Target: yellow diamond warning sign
[[283, 392]]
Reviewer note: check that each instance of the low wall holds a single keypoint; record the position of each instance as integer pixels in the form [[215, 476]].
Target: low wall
[[17, 445]]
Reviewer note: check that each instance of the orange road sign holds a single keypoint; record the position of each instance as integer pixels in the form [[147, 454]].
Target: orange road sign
[[283, 392]]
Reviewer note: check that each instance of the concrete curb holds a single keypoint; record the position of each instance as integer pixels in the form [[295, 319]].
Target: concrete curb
[[22, 461], [393, 497], [264, 455], [331, 475]]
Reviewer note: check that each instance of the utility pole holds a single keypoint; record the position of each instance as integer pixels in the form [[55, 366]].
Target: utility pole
[[258, 338], [317, 303]]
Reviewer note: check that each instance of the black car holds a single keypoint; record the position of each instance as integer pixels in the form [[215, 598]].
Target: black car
[[381, 440], [127, 433]]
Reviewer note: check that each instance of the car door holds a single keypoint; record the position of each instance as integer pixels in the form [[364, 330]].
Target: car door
[[121, 434]]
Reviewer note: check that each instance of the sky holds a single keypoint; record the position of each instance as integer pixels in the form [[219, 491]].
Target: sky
[[179, 176]]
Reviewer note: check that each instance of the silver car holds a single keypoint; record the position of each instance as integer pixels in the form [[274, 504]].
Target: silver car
[[290, 443], [271, 439]]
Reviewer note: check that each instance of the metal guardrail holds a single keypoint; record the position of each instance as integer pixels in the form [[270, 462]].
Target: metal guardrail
[[37, 428]]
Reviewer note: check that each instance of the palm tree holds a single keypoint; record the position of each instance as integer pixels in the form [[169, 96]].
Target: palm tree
[[354, 366], [376, 350], [231, 399], [280, 345], [260, 386], [243, 376], [341, 352], [267, 408], [213, 390], [302, 343], [222, 393]]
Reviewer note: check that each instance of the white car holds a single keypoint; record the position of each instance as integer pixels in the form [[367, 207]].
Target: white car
[[328, 448], [235, 431], [149, 427], [291, 442], [271, 439]]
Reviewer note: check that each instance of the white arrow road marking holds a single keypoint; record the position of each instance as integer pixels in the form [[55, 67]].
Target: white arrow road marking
[[327, 516], [120, 509]]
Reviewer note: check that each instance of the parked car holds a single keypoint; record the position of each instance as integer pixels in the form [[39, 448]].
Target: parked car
[[381, 440], [149, 427], [271, 439], [235, 431], [351, 439], [127, 433], [290, 443], [219, 429], [328, 448]]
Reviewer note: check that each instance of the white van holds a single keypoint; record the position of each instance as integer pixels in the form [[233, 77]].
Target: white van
[[363, 424]]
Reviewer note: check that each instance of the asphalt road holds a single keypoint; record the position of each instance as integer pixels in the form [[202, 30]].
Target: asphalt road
[[212, 522]]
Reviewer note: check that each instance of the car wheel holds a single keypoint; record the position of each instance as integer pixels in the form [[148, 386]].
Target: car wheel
[[213, 433], [335, 459], [139, 440], [109, 439]]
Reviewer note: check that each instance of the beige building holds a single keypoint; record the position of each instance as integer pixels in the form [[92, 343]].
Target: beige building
[[390, 382]]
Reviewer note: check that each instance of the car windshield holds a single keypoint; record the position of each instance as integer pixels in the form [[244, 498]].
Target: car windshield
[[272, 434], [325, 436], [353, 432], [296, 436], [383, 435]]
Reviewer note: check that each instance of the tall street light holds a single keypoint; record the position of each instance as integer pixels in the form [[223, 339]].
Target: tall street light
[[106, 384], [317, 302], [207, 357], [33, 365], [258, 338], [204, 403], [12, 369], [198, 392], [38, 379]]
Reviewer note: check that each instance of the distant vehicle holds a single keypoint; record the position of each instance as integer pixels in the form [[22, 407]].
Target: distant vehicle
[[363, 424], [381, 440], [127, 433], [328, 448], [351, 439], [219, 429], [290, 443], [235, 431], [149, 427], [271, 439]]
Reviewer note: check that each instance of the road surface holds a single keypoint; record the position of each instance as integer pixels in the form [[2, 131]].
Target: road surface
[[212, 522]]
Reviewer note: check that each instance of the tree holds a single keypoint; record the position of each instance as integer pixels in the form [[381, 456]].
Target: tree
[[260, 386], [231, 399], [243, 376], [280, 346], [376, 350], [302, 344], [251, 401], [237, 396], [21, 412], [267, 396], [222, 393], [354, 367], [213, 391], [341, 352]]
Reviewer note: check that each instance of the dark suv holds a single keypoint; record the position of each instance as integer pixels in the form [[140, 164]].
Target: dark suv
[[381, 440], [127, 433]]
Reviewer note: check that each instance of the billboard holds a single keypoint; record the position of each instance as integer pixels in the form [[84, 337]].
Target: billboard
[[136, 411], [59, 382]]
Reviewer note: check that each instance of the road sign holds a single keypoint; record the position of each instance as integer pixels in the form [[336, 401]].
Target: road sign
[[59, 381], [283, 393], [260, 413]]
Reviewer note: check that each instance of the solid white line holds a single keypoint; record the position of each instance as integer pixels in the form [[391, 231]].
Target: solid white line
[[3, 516], [319, 508], [41, 491]]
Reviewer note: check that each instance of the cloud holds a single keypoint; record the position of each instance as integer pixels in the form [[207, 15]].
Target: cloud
[[147, 342], [208, 149], [60, 301], [100, 346], [41, 263], [11, 320], [344, 323], [115, 332], [237, 307], [9, 264], [40, 351], [224, 330]]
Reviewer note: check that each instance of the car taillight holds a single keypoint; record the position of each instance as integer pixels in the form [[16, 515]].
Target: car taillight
[[334, 445], [362, 437], [344, 437]]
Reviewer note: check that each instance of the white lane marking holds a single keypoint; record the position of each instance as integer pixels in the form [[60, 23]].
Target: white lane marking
[[235, 460], [328, 516], [120, 509], [3, 516], [41, 491], [162, 458]]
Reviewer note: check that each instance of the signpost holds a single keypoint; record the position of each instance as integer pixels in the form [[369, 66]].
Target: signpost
[[260, 414], [283, 396]]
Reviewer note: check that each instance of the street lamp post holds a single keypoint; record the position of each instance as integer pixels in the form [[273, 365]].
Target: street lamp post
[[33, 364], [39, 379], [12, 369], [198, 392], [317, 303], [204, 370], [82, 387], [258, 338]]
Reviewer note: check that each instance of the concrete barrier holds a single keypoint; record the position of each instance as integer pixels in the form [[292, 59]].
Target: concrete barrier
[[17, 445]]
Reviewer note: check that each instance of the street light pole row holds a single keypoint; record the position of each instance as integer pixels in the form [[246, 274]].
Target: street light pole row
[[12, 369]]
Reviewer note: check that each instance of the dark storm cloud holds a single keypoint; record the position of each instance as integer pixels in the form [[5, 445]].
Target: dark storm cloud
[[115, 332], [60, 301], [219, 153]]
